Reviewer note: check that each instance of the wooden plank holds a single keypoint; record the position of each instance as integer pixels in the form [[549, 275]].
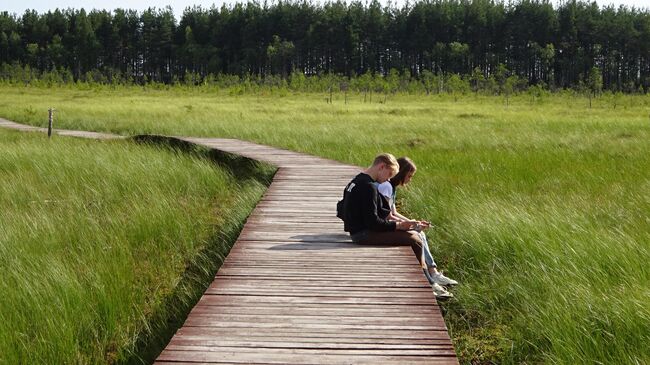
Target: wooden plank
[[396, 311], [293, 237], [289, 358], [363, 293], [324, 335], [375, 255], [346, 268], [376, 282], [319, 251], [304, 202], [281, 285], [284, 258], [343, 243], [286, 300], [297, 341], [315, 325], [301, 197], [430, 351], [286, 319], [333, 227], [395, 336], [350, 246], [308, 214], [315, 270], [363, 279], [280, 219], [366, 272]]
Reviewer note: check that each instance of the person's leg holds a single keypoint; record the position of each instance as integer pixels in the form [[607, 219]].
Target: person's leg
[[432, 274], [395, 238], [428, 265], [405, 238], [428, 258]]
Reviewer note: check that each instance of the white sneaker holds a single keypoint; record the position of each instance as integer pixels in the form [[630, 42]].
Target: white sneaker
[[438, 278], [440, 292]]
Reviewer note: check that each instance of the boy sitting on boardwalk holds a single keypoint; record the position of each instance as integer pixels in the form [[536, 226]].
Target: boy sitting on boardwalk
[[365, 212]]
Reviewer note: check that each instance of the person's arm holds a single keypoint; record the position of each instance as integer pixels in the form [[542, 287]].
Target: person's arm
[[394, 214], [402, 217], [391, 217]]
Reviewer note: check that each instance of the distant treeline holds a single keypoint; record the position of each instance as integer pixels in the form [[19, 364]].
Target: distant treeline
[[481, 42]]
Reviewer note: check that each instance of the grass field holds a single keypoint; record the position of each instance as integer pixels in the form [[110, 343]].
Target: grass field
[[540, 208], [103, 244]]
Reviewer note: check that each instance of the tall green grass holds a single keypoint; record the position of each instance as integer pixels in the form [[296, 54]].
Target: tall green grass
[[540, 208], [102, 244]]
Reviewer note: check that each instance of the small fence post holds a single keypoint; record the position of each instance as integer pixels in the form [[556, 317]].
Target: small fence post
[[49, 124]]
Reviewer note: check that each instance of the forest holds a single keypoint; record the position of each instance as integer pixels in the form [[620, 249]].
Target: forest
[[572, 45]]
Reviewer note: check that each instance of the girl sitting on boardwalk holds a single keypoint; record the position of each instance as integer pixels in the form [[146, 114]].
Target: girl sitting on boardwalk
[[389, 190]]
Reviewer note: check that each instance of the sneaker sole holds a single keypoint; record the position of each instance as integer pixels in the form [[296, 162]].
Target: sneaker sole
[[443, 298]]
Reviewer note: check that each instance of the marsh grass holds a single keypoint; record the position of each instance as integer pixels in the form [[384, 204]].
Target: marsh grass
[[102, 244], [540, 208]]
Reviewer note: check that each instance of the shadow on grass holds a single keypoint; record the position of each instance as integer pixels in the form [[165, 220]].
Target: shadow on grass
[[200, 272]]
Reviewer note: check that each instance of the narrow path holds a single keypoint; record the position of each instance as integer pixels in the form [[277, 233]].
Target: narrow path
[[295, 290]]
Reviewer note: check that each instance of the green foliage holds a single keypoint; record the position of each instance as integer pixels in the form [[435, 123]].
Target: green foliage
[[106, 244], [538, 41], [278, 53], [297, 81], [595, 81], [502, 82], [455, 85], [538, 93], [477, 79]]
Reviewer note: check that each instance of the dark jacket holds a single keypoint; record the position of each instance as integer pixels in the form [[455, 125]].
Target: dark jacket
[[364, 208]]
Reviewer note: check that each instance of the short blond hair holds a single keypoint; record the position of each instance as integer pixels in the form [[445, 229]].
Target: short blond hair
[[388, 159]]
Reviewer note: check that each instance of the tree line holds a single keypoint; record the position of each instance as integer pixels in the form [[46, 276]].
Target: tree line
[[478, 41]]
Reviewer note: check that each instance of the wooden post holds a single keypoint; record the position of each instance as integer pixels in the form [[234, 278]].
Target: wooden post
[[49, 124]]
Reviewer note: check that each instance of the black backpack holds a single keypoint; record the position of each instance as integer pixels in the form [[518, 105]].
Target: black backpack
[[339, 209]]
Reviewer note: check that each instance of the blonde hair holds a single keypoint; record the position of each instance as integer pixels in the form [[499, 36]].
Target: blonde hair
[[388, 159]]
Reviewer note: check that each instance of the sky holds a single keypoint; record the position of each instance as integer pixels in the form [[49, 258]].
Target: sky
[[42, 6]]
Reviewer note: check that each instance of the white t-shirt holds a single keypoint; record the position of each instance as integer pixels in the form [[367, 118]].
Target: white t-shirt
[[386, 189]]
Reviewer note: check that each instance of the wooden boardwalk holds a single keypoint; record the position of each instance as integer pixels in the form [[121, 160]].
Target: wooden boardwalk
[[295, 290]]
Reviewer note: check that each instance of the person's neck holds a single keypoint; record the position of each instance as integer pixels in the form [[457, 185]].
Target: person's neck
[[370, 171]]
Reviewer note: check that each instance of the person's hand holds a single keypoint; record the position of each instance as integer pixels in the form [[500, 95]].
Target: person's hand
[[418, 225], [409, 226], [404, 226]]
